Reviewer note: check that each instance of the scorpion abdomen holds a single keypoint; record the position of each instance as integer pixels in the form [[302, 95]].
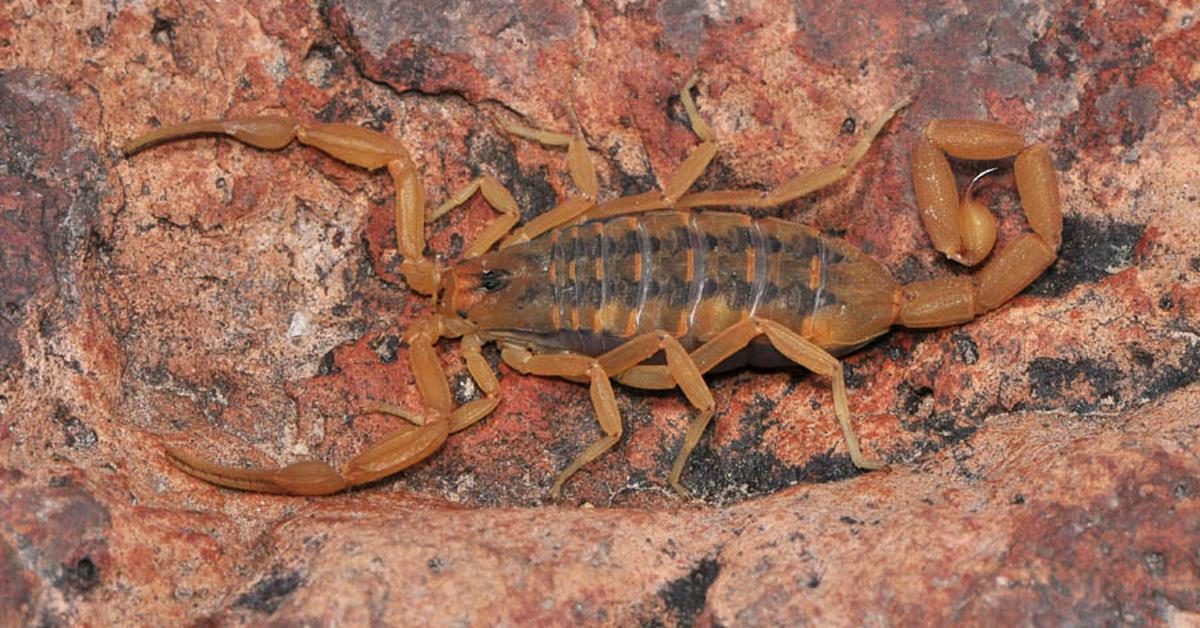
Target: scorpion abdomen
[[590, 287]]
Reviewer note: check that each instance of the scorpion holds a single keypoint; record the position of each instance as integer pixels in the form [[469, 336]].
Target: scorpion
[[650, 292]]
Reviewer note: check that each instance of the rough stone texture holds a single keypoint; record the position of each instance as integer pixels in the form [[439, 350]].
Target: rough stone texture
[[1043, 458]]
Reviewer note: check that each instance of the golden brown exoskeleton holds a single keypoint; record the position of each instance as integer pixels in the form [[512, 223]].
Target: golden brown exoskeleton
[[646, 290]]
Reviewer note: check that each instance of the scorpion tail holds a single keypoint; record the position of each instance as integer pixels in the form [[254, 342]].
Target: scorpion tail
[[965, 231]]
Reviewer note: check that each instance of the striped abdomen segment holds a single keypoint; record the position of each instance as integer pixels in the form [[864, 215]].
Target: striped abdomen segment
[[693, 274]]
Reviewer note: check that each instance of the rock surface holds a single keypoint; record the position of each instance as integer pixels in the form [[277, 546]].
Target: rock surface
[[246, 305]]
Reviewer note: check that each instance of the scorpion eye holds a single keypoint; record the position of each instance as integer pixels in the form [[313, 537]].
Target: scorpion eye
[[492, 280]]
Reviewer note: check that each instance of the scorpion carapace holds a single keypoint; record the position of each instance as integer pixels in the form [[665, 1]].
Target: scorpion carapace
[[649, 291]]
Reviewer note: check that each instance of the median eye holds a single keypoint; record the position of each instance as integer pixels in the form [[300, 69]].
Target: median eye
[[492, 280]]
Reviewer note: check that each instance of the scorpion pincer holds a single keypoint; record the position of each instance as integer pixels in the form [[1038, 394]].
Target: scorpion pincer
[[648, 291]]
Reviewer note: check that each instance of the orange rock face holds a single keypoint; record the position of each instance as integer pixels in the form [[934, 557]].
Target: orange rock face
[[246, 305]]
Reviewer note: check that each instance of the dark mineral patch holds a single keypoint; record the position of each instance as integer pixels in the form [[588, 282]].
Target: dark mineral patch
[[386, 347], [1056, 381], [267, 594], [688, 595], [77, 434], [81, 576], [1091, 250]]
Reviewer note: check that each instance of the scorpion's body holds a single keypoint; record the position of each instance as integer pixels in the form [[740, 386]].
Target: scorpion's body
[[589, 288], [647, 290]]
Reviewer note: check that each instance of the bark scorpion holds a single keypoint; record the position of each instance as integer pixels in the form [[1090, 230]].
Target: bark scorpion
[[650, 292]]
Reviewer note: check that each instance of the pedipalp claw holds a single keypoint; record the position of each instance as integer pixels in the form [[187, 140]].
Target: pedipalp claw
[[307, 477]]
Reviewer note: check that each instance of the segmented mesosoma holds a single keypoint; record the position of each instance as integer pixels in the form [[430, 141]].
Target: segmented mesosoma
[[589, 288], [651, 291]]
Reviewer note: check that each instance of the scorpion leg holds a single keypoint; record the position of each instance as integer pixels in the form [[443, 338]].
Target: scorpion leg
[[704, 358], [579, 164], [687, 374], [683, 370], [814, 358], [792, 345], [472, 412], [575, 366], [802, 184], [583, 174], [467, 414], [948, 301], [498, 197], [683, 178], [698, 161]]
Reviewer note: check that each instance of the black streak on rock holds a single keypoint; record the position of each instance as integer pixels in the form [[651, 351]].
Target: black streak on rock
[[688, 595], [629, 183], [1091, 250], [747, 464], [1054, 382], [268, 593], [913, 398], [1167, 378]]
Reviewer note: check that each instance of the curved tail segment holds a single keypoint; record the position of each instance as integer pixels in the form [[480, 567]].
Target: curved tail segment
[[965, 230]]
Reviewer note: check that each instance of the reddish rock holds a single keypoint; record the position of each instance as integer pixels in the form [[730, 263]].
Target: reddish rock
[[16, 588], [247, 305]]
